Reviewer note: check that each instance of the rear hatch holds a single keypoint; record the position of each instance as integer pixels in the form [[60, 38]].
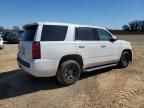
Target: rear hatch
[[25, 45]]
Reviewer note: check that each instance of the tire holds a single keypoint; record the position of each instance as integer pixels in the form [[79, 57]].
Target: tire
[[124, 60], [68, 72]]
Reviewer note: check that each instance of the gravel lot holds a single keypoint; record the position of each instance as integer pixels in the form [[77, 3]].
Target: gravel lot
[[107, 88]]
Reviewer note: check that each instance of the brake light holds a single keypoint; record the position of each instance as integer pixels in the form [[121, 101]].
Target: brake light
[[36, 53]]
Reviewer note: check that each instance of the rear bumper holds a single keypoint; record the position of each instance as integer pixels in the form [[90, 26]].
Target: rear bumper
[[39, 67]]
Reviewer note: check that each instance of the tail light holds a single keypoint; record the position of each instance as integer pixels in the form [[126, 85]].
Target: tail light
[[36, 53]]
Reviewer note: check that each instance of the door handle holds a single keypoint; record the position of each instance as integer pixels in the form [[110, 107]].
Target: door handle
[[103, 46], [81, 46]]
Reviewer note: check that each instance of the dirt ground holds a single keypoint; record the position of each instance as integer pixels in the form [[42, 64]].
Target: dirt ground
[[132, 38], [107, 88]]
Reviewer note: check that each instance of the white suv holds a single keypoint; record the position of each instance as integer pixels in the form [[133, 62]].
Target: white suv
[[66, 50]]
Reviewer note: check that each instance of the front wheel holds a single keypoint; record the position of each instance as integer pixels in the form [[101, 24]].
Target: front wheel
[[125, 59], [68, 72]]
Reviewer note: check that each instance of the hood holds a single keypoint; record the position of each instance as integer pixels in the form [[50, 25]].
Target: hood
[[124, 42]]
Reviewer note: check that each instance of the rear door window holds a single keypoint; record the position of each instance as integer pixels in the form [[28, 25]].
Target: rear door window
[[53, 33], [85, 34], [29, 33]]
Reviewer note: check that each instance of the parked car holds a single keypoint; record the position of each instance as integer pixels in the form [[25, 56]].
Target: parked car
[[66, 50], [13, 37], [5, 35], [1, 43]]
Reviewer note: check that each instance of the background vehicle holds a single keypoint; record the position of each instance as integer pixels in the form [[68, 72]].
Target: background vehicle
[[1, 43], [5, 35], [66, 50], [13, 37]]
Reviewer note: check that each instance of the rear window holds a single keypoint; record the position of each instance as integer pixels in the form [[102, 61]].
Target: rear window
[[53, 33], [29, 33]]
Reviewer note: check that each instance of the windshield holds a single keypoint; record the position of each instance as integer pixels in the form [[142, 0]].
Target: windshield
[[29, 33]]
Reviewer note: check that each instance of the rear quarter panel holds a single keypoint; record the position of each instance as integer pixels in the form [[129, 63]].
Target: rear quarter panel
[[56, 50]]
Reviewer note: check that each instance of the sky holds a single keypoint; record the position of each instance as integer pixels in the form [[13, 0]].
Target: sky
[[106, 13]]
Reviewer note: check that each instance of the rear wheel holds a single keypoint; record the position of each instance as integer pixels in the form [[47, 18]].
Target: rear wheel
[[68, 72], [125, 59]]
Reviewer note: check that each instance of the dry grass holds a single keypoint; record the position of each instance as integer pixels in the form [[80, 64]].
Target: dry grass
[[132, 38]]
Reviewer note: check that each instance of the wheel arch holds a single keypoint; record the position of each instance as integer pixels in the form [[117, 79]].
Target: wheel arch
[[130, 52], [76, 57]]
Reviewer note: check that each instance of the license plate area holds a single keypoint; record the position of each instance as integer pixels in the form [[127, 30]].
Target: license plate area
[[23, 63]]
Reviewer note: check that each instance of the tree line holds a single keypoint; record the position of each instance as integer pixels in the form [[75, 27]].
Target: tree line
[[14, 29], [134, 26]]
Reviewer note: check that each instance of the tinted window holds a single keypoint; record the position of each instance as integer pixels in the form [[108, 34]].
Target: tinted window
[[29, 33], [53, 33], [86, 34], [96, 34], [104, 35]]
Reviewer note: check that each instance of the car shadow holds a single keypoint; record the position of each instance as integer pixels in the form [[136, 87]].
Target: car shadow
[[17, 83]]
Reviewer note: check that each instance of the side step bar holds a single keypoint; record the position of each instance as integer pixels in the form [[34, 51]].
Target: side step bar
[[99, 67]]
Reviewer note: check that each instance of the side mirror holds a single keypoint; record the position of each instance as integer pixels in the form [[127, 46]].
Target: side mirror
[[114, 38]]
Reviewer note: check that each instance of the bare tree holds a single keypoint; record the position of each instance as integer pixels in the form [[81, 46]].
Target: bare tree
[[15, 28], [126, 28], [135, 26]]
